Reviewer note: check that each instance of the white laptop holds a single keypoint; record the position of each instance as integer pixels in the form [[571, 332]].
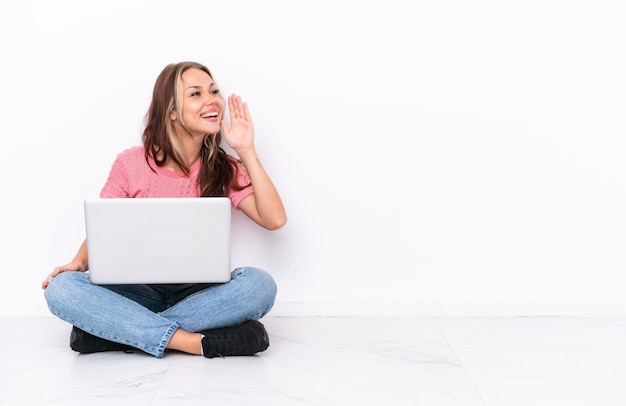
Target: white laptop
[[158, 240]]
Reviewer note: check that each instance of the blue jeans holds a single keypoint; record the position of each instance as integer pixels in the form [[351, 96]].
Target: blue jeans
[[146, 316]]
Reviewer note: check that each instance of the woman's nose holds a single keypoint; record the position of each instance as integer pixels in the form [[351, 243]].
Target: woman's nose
[[210, 98]]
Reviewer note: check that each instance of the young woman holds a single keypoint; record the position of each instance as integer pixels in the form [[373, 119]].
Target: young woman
[[180, 157]]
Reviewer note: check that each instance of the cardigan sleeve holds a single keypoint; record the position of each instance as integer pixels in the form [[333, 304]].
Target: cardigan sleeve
[[117, 183], [236, 196]]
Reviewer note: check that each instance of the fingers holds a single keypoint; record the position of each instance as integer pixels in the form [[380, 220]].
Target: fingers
[[72, 266], [237, 108], [44, 284], [225, 128], [234, 102], [54, 273]]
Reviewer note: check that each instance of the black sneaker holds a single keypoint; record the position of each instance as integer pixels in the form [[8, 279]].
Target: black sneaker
[[243, 339], [86, 343]]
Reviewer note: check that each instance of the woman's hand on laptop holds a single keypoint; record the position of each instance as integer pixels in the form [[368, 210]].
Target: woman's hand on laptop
[[72, 266]]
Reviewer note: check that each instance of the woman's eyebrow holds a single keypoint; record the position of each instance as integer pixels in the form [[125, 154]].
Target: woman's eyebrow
[[199, 87]]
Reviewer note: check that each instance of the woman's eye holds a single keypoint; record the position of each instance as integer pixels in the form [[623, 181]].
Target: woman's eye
[[195, 94], [215, 91]]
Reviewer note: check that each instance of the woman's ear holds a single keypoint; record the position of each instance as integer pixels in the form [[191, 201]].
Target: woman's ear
[[173, 115]]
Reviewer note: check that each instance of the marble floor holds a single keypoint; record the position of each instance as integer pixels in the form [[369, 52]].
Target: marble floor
[[530, 361]]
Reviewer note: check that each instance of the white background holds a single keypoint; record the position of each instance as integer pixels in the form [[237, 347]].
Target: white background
[[435, 157]]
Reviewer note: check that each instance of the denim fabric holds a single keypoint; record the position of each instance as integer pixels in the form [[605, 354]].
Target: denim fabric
[[158, 297], [146, 316]]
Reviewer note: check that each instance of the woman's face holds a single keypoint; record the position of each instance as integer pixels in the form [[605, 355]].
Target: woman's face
[[202, 105]]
